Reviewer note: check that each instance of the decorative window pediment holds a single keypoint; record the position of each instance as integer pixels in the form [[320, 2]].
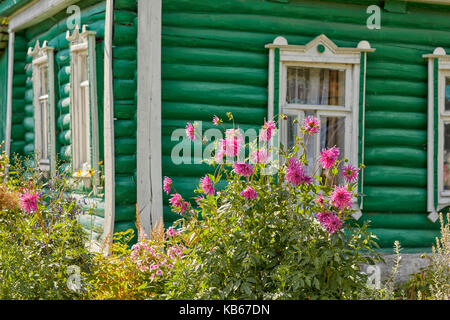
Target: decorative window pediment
[[326, 81], [44, 106], [84, 109], [438, 132]]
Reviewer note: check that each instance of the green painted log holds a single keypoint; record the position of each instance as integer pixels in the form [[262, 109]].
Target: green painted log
[[29, 96], [348, 12], [64, 74], [65, 153], [395, 156], [394, 199], [384, 102], [124, 35], [125, 164], [124, 110], [395, 137], [286, 26], [173, 170], [413, 238], [63, 57], [19, 67], [18, 134], [236, 75], [395, 176], [29, 110], [215, 57], [124, 89], [18, 92], [125, 146], [125, 128], [124, 17], [205, 112], [221, 39], [397, 71], [65, 137], [64, 91], [124, 69], [19, 80], [399, 221], [396, 87], [17, 147], [205, 92], [125, 213], [28, 124], [125, 187], [126, 5], [29, 137], [125, 52], [64, 121], [29, 149], [64, 105], [396, 120]]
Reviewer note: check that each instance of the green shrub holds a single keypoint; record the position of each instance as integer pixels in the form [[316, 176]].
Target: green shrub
[[41, 241], [280, 236]]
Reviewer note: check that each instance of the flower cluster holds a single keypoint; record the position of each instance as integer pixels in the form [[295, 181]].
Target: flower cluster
[[156, 259], [330, 221]]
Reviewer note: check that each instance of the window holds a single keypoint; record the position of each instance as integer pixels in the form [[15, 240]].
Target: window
[[438, 189], [44, 106], [321, 80], [83, 111]]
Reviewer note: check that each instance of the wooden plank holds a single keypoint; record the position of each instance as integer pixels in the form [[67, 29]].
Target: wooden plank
[[108, 231], [149, 170], [37, 12], [9, 94]]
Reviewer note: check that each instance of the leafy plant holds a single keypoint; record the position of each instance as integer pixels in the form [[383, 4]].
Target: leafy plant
[[271, 236], [40, 238]]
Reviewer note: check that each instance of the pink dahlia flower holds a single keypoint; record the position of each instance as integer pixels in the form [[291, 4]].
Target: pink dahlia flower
[[350, 173], [178, 202], [328, 157], [216, 120], [167, 184], [259, 156], [267, 131], [28, 201], [207, 185], [249, 193], [295, 173], [244, 169], [311, 125], [190, 131], [233, 142], [341, 198], [330, 221]]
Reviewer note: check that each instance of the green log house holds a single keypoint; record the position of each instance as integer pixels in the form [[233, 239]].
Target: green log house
[[91, 82]]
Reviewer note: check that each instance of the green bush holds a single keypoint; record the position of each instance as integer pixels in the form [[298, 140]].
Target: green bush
[[280, 236], [42, 247]]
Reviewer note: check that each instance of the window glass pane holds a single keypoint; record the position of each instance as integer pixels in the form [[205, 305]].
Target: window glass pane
[[44, 78], [292, 132], [447, 94], [446, 156], [44, 130], [315, 86], [333, 134]]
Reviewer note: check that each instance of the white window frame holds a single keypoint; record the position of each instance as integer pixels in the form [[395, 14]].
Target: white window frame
[[443, 197], [43, 57], [83, 44], [331, 57]]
